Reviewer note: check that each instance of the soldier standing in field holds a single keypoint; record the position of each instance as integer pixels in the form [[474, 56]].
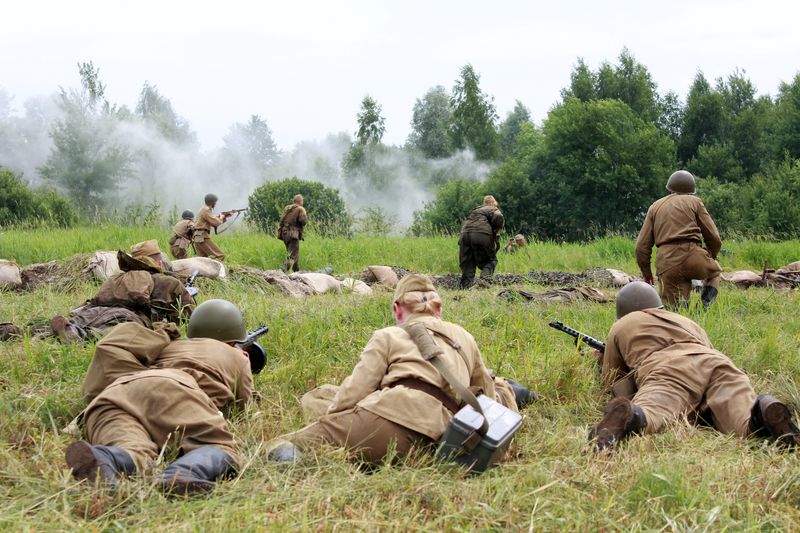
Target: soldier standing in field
[[677, 372], [182, 236], [479, 242], [290, 231], [146, 390], [677, 224], [396, 398], [205, 220], [141, 293]]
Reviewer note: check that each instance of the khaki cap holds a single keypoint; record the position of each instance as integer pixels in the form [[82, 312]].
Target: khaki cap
[[145, 249], [413, 283]]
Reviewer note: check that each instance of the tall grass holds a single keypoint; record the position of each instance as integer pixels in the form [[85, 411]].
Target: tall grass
[[686, 478]]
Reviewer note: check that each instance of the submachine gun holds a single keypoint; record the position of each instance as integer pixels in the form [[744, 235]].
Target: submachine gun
[[579, 337], [255, 352], [190, 286]]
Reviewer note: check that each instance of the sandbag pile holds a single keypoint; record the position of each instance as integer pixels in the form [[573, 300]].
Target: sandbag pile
[[566, 295], [103, 265], [10, 275], [205, 267], [380, 274]]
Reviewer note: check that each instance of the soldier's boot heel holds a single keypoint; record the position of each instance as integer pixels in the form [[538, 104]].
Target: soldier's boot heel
[[106, 463], [708, 295], [776, 420], [523, 395], [621, 418], [197, 471]]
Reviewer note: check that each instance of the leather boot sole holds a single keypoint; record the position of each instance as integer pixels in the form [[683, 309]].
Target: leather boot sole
[[186, 487], [778, 421], [82, 461], [611, 429]]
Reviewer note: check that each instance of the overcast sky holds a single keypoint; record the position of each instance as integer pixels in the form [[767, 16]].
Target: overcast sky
[[304, 66]]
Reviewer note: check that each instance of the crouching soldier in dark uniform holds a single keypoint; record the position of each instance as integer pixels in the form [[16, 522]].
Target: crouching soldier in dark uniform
[[677, 372], [141, 294], [478, 243], [394, 397], [147, 391]]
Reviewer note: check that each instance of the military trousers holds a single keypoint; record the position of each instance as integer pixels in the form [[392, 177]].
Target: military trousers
[[208, 248], [292, 255], [370, 435], [671, 386], [153, 409], [94, 322], [678, 264], [476, 250]]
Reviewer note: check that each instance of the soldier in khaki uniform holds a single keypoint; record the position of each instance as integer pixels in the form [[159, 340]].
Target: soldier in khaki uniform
[[290, 231], [677, 224], [181, 237], [146, 390], [515, 243], [201, 236], [140, 294], [478, 242], [395, 396], [677, 372]]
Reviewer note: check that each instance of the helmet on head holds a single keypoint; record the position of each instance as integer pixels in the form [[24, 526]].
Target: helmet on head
[[187, 215], [635, 296], [681, 182], [210, 198], [217, 319]]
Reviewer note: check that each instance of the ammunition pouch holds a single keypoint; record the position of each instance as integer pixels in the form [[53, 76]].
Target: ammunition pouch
[[199, 236], [479, 434]]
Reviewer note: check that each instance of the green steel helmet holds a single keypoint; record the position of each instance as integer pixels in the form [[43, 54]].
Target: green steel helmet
[[187, 215], [217, 319], [210, 198], [681, 182], [635, 296]]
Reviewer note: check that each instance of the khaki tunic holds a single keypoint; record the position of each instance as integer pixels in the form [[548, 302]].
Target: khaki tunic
[[181, 239], [677, 224], [142, 386], [201, 237], [152, 296], [677, 371]]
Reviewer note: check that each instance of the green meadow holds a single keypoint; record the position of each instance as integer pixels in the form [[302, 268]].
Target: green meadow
[[687, 478]]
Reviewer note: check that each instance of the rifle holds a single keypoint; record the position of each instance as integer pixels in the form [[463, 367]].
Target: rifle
[[579, 337], [255, 352], [226, 214], [190, 286]]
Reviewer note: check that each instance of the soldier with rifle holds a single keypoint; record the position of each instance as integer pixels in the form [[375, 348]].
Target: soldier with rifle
[[677, 224], [205, 220], [677, 372], [147, 389], [182, 236], [479, 242], [290, 230]]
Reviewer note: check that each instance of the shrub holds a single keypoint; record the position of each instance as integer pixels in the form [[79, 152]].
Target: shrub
[[21, 205]]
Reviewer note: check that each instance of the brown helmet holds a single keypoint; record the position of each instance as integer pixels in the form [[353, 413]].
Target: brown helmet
[[635, 296], [681, 182]]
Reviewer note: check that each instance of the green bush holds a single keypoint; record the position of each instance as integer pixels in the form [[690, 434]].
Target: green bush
[[327, 214], [21, 205], [453, 202]]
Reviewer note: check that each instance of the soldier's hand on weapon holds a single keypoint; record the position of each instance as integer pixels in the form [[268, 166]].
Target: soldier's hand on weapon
[[649, 280]]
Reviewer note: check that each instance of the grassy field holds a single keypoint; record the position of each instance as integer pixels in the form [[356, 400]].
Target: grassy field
[[686, 478]]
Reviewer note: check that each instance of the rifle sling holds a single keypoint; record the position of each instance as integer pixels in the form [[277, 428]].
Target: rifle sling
[[430, 351]]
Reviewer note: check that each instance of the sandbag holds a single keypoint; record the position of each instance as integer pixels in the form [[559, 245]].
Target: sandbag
[[791, 267], [206, 267], [103, 265], [321, 283], [357, 286], [9, 274], [315, 402], [743, 278], [619, 278], [565, 295], [383, 275]]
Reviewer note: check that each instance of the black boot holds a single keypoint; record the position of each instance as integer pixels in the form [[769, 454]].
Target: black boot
[[107, 463], [523, 395], [196, 471], [771, 418], [621, 418], [708, 295], [285, 452]]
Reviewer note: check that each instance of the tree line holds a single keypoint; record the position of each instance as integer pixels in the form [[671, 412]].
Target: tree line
[[593, 165]]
